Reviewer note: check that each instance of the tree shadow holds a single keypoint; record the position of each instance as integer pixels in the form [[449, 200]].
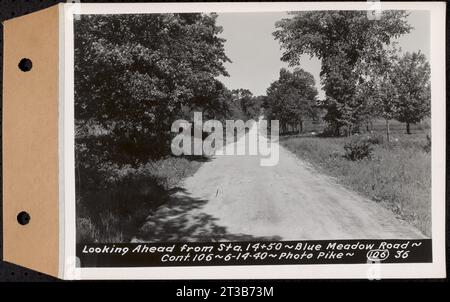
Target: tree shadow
[[181, 220]]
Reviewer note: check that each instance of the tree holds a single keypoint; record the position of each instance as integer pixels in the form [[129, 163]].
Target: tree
[[292, 98], [397, 87], [377, 89], [135, 75], [341, 40], [383, 99], [242, 99], [256, 108], [412, 79], [250, 105]]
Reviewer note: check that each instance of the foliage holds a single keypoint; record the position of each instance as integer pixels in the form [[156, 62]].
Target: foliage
[[139, 85], [114, 200], [376, 139], [397, 87], [291, 98], [358, 149], [378, 86], [128, 92], [342, 40], [248, 104], [412, 81]]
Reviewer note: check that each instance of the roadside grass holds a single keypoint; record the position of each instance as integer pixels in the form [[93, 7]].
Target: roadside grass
[[116, 204], [398, 176]]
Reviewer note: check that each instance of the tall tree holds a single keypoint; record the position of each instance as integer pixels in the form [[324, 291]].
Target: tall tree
[[292, 98], [377, 89], [138, 85], [341, 40], [412, 79]]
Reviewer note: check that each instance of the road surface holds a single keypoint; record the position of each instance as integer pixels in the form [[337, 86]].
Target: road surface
[[233, 198]]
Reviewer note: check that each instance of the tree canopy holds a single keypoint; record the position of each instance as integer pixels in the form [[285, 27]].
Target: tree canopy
[[291, 98], [412, 81], [136, 74], [343, 41]]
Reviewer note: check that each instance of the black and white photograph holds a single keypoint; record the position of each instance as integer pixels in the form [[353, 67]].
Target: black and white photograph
[[259, 135]]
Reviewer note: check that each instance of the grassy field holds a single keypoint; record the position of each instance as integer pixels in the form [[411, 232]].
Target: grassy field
[[398, 176]]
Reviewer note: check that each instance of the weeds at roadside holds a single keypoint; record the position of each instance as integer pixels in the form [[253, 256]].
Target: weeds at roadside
[[398, 176]]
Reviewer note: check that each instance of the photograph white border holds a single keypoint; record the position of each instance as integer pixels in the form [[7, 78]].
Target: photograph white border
[[68, 269]]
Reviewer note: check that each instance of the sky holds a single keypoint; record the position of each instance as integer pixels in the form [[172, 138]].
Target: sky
[[255, 54]]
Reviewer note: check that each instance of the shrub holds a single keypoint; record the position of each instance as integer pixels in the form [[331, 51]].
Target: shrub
[[358, 149], [376, 139]]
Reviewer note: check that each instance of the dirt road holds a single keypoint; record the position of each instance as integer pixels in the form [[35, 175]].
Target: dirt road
[[235, 198]]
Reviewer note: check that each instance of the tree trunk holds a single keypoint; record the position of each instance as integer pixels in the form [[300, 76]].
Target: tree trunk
[[408, 130], [388, 131], [301, 126]]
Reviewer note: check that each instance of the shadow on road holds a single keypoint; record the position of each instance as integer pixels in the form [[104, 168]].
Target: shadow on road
[[181, 219]]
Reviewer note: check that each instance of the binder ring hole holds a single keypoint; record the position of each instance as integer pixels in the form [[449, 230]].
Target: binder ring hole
[[25, 65], [23, 218]]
